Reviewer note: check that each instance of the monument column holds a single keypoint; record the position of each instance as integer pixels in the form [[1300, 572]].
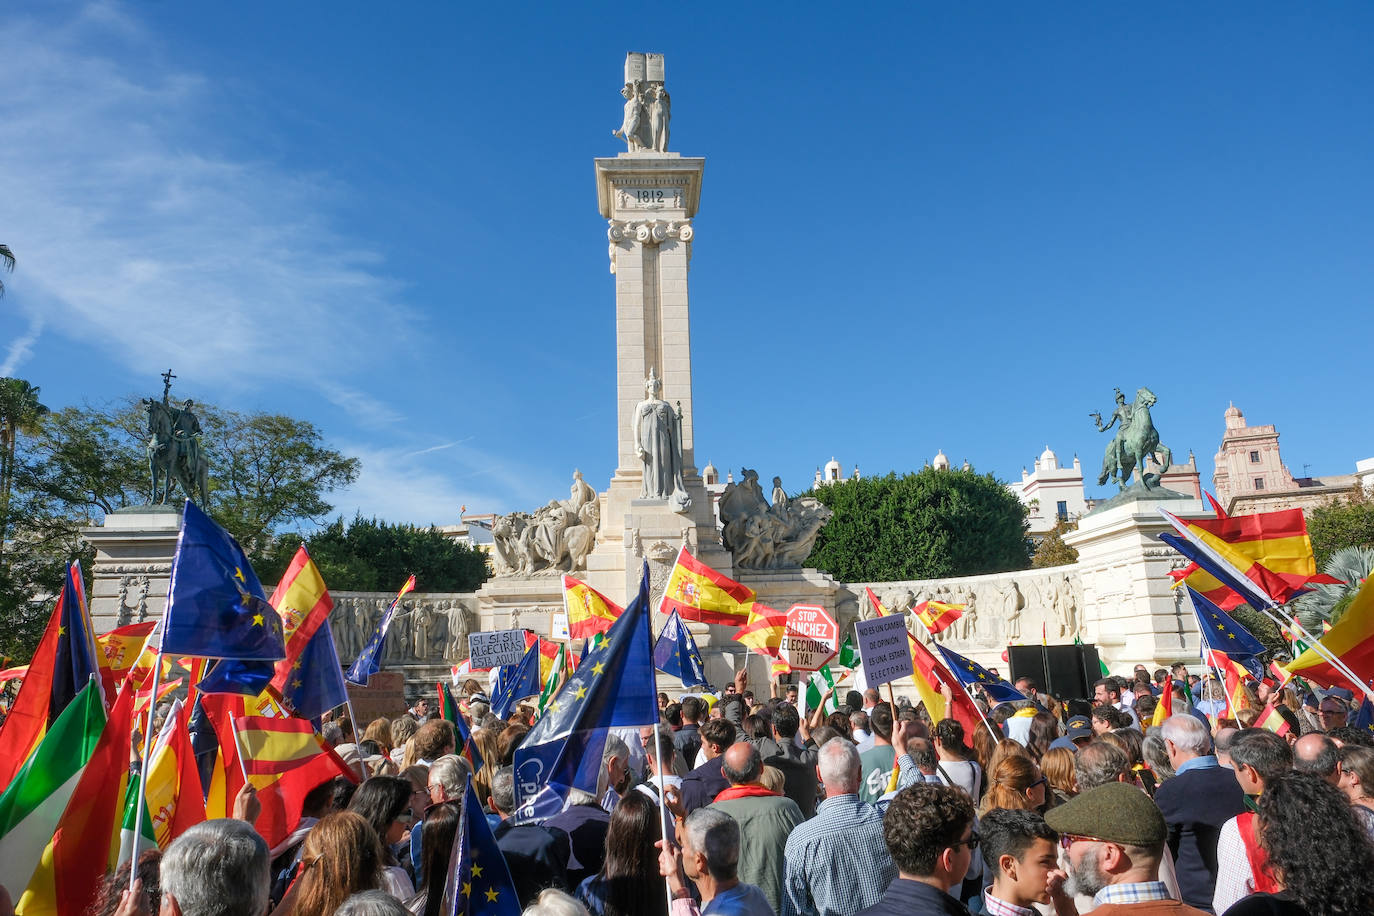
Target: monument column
[[649, 197]]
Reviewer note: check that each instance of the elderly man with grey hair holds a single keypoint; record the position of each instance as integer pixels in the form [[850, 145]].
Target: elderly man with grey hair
[[1196, 802], [837, 862], [217, 868], [710, 859], [765, 819]]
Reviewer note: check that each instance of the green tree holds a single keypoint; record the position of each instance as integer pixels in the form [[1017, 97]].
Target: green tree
[[6, 262], [368, 555], [1341, 523], [1327, 603], [1052, 551], [66, 470], [920, 526]]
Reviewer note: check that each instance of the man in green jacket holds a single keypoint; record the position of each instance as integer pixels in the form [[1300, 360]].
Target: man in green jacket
[[765, 820]]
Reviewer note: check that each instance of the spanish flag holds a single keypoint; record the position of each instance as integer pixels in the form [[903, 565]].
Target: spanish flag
[[1269, 718], [697, 592], [1235, 675], [1271, 549], [303, 603], [764, 631], [589, 611], [937, 615], [1165, 708], [117, 650], [1351, 640]]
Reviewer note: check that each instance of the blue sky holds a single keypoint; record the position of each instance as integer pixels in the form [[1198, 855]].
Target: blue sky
[[923, 226]]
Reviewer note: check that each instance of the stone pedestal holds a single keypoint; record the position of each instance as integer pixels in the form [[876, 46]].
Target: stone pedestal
[[1130, 611], [133, 564], [507, 604]]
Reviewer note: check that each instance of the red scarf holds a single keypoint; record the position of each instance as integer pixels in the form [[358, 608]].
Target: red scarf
[[749, 791]]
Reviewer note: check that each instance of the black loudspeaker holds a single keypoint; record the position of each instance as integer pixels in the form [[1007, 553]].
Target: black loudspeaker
[[1071, 670]]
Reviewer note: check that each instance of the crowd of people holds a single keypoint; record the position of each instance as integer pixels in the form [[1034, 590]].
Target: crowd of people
[[751, 805]]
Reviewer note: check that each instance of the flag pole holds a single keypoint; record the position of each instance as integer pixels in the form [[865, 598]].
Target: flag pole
[[658, 754], [1316, 643], [353, 722], [954, 680], [143, 763], [238, 746]]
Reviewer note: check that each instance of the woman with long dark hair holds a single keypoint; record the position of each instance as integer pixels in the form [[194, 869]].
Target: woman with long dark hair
[[1044, 729], [436, 844], [385, 803], [628, 883], [1317, 852]]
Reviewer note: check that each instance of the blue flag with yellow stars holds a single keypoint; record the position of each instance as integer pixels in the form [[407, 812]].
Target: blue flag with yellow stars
[[1364, 717], [479, 882], [676, 653], [519, 683], [316, 684], [215, 604], [972, 674], [1221, 631], [612, 688], [369, 660]]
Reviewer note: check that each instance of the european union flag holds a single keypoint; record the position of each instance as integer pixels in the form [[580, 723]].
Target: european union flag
[[316, 683], [518, 684], [215, 606], [676, 653], [1221, 632], [479, 881], [75, 661], [232, 675], [972, 674], [369, 661], [612, 688], [1364, 717]]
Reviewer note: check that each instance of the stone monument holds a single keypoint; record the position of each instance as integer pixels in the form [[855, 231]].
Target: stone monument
[[134, 546]]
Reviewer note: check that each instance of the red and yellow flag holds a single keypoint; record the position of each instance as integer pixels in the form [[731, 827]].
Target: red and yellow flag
[[697, 592], [1235, 675], [1271, 549], [117, 650], [589, 611], [937, 615], [1351, 640], [173, 791], [1269, 718], [304, 604], [764, 631], [1165, 708]]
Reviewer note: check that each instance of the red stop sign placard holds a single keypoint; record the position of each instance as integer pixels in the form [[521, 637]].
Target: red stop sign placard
[[812, 637]]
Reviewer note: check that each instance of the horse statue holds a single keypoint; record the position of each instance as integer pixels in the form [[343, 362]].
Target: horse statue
[[174, 452], [1135, 441]]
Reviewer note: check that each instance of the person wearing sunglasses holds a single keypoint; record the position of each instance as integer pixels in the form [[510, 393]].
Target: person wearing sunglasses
[[928, 829], [1113, 837]]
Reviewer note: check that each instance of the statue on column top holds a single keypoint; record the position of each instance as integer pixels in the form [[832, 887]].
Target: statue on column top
[[644, 125]]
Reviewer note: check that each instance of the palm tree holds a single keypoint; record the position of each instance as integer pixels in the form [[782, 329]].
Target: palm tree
[[20, 412], [1326, 603], [7, 262]]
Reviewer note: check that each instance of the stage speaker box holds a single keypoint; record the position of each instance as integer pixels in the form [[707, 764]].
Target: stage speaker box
[[1067, 672]]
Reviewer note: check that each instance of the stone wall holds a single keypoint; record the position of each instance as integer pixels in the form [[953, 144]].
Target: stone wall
[[429, 629]]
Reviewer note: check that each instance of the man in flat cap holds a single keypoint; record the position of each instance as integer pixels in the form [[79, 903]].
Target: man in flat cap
[[1114, 841]]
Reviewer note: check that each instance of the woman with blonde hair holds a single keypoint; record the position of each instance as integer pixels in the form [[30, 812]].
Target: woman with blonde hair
[[488, 741], [379, 730], [1015, 783], [341, 856], [1058, 768]]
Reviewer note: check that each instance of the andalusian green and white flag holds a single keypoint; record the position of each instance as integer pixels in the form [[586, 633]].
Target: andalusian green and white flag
[[849, 656], [820, 682], [557, 673], [147, 839], [33, 804]]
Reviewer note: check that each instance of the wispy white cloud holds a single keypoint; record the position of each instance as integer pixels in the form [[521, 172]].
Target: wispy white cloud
[[20, 348], [139, 232]]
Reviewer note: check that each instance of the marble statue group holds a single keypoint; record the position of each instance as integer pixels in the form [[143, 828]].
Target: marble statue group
[[556, 538], [763, 536]]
